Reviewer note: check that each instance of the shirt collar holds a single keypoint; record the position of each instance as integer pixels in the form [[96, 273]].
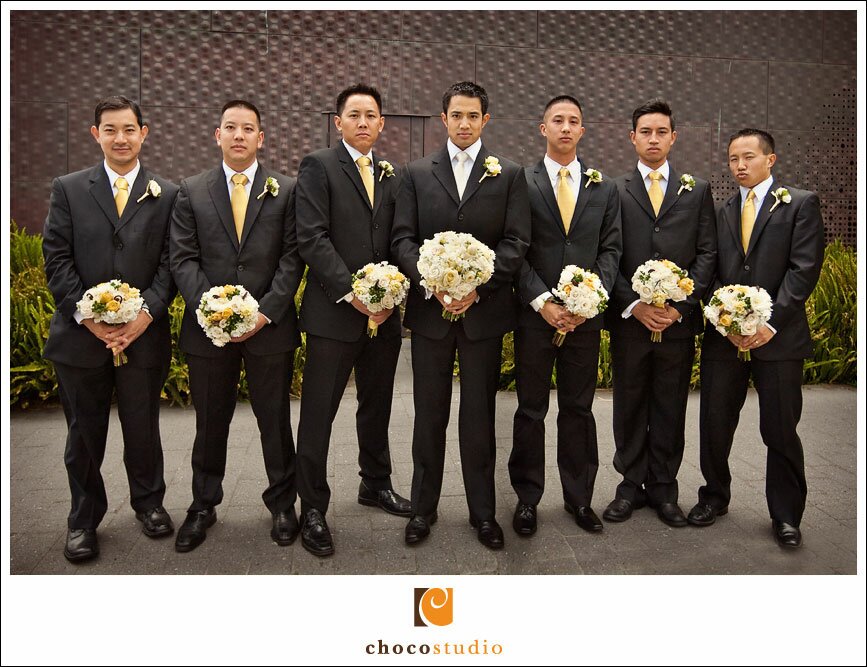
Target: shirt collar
[[472, 150], [354, 154], [249, 172], [665, 170], [129, 176], [554, 168], [761, 189]]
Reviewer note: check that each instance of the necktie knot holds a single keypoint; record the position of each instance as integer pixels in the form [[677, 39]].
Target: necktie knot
[[121, 183], [363, 161], [751, 195], [239, 179], [462, 157], [654, 176], [564, 173]]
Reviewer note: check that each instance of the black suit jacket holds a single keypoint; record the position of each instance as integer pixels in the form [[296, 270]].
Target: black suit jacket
[[495, 211], [594, 241], [85, 243], [784, 257], [683, 232], [205, 253], [338, 233]]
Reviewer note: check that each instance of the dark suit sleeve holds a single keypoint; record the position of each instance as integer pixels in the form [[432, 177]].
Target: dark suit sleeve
[[513, 246], [158, 296], [805, 263], [704, 266], [404, 231], [63, 279], [313, 217], [530, 284], [184, 252], [280, 296], [607, 265]]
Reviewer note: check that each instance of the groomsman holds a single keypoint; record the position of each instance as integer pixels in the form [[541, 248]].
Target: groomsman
[[574, 221], [446, 191], [111, 221], [771, 236], [666, 215], [344, 211], [228, 227]]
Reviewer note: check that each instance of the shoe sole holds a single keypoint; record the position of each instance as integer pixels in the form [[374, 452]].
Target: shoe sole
[[284, 543], [525, 532], [591, 529], [703, 524], [158, 533], [81, 557], [321, 553], [373, 503]]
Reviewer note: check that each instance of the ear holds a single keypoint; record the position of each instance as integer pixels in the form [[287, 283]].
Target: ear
[[94, 132]]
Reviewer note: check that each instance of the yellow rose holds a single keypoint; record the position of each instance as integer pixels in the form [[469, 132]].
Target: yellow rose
[[227, 313], [214, 318], [112, 306], [686, 284], [725, 320], [105, 297]]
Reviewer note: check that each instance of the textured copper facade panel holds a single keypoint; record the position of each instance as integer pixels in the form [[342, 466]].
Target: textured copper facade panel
[[518, 140], [77, 72], [29, 203], [302, 133], [428, 69], [32, 157], [168, 20], [238, 21], [840, 42], [372, 25], [83, 151], [471, 27], [840, 218], [820, 97]]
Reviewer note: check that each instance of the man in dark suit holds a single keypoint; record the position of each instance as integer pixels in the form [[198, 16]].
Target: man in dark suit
[[666, 215], [111, 221], [771, 237], [344, 212], [449, 190], [578, 225], [235, 225]]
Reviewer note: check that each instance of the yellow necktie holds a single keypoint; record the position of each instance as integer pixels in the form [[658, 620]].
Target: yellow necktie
[[239, 202], [655, 191], [748, 219], [366, 177], [565, 199], [122, 195]]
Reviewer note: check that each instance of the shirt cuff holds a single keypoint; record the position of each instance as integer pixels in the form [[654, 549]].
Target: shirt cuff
[[147, 311], [626, 314], [427, 293], [774, 331], [537, 303], [348, 298], [77, 316]]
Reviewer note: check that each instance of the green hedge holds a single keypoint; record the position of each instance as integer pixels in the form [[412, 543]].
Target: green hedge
[[832, 311]]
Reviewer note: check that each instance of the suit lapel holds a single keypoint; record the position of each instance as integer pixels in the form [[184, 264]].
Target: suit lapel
[[635, 187], [476, 173], [670, 192], [220, 196], [133, 205], [254, 205], [351, 170], [732, 215], [762, 217], [584, 194], [379, 180], [442, 171], [100, 190], [543, 182]]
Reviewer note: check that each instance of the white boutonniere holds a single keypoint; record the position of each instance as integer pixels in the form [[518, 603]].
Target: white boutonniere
[[153, 189], [781, 195], [386, 169], [272, 187], [492, 168], [687, 182], [593, 176]]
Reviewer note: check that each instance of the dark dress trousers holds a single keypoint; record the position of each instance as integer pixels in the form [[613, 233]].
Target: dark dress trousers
[[784, 257], [86, 243], [339, 231], [651, 380], [496, 212], [594, 243], [205, 252]]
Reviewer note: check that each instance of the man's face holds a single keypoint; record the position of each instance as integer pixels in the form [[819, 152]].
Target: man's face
[[360, 122], [239, 137], [653, 138], [464, 120], [120, 137], [748, 162], [562, 129]]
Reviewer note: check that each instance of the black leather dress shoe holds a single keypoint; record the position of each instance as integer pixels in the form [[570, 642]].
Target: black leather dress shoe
[[284, 527], [194, 529], [315, 536], [524, 521], [489, 532], [156, 522], [386, 500], [81, 545], [618, 510], [418, 528], [705, 515], [787, 535], [585, 517], [671, 514]]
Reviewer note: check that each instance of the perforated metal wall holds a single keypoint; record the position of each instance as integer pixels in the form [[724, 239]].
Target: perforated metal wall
[[182, 66]]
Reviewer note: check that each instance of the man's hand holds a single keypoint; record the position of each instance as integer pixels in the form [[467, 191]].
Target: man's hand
[[457, 306], [560, 318], [100, 329], [377, 318], [761, 337], [121, 337], [653, 317], [259, 324]]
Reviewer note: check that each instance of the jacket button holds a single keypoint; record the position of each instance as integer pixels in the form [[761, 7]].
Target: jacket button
[[240, 267], [118, 245], [376, 226], [568, 242], [656, 229], [461, 216], [376, 253], [746, 267], [656, 255]]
